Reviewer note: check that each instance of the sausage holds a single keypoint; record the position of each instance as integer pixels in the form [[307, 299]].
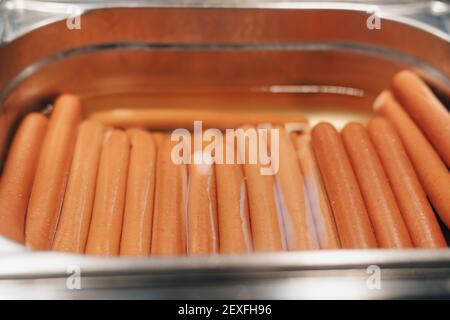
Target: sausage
[[202, 231], [425, 109], [52, 172], [158, 137], [18, 175], [387, 221], [323, 216], [432, 172], [138, 216], [233, 213], [169, 219], [418, 215], [299, 226], [265, 217], [107, 216], [350, 214], [163, 118], [73, 228]]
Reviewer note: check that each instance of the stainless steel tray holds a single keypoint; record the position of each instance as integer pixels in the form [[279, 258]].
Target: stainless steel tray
[[341, 274], [317, 58]]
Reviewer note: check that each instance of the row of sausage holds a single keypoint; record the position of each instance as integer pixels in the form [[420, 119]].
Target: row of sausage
[[87, 187]]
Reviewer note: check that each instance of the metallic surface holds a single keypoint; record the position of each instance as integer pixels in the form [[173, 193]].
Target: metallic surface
[[343, 274], [317, 58]]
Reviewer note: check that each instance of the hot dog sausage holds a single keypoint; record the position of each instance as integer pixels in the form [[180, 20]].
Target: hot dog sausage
[[52, 172], [73, 228], [107, 216], [425, 109], [265, 217], [298, 221], [387, 221], [432, 172], [419, 216], [352, 220], [169, 220], [323, 216], [18, 175], [203, 235], [233, 213], [138, 216], [184, 118]]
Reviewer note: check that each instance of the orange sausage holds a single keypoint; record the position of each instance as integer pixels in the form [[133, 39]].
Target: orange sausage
[[298, 221], [18, 175], [432, 172], [163, 118], [73, 228], [169, 219], [387, 221], [417, 212], [107, 216], [52, 172], [233, 213], [425, 109], [202, 232], [323, 216], [352, 220], [138, 216], [265, 217], [158, 137]]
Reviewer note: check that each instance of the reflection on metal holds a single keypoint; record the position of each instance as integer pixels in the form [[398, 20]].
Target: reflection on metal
[[317, 89], [27, 15], [341, 274]]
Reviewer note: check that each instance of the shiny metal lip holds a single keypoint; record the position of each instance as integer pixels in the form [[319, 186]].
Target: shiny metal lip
[[48, 264], [65, 9], [351, 47]]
